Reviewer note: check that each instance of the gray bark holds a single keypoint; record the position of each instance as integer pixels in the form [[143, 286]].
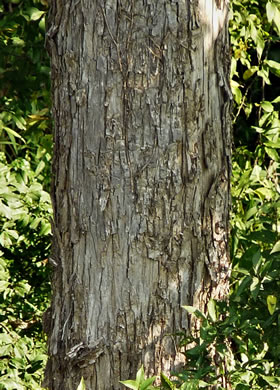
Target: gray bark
[[141, 182]]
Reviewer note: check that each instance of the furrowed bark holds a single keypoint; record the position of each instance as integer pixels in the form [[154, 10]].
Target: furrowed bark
[[141, 104]]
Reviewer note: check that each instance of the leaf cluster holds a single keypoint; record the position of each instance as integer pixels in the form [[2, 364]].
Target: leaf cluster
[[25, 207]]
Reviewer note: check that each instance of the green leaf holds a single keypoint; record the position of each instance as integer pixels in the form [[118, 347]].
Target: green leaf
[[249, 72], [5, 239], [18, 42], [257, 38], [6, 211], [22, 288], [264, 119], [276, 100], [13, 133], [82, 385], [6, 339], [194, 311], [20, 122], [274, 67], [212, 310], [272, 153], [12, 233], [273, 15], [271, 301], [11, 384], [236, 92], [203, 384], [3, 285], [196, 351], [272, 381], [267, 106], [265, 193], [45, 228], [252, 211], [275, 145], [264, 74], [243, 283], [140, 376], [270, 11], [35, 13], [166, 382], [265, 236], [18, 363], [130, 384], [255, 288], [146, 383], [34, 224], [276, 248], [140, 380], [40, 167]]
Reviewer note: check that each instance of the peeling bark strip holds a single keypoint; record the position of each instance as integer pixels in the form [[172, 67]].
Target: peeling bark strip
[[141, 181]]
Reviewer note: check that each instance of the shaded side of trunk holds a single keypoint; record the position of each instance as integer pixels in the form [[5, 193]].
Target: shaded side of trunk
[[141, 181]]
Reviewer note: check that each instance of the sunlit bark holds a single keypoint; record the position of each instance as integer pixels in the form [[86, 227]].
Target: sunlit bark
[[141, 182]]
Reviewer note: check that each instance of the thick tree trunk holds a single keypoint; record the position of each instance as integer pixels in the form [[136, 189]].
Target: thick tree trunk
[[141, 181]]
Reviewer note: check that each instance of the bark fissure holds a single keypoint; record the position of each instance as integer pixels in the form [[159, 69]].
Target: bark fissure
[[140, 189]]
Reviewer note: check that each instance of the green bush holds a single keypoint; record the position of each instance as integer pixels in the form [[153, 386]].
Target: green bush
[[25, 210], [25, 207]]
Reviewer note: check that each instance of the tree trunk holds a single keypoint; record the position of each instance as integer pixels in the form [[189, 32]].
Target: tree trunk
[[141, 182]]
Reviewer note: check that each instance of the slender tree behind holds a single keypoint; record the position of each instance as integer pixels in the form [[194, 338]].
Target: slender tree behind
[[141, 181]]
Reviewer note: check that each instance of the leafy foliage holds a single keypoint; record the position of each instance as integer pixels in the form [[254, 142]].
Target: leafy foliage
[[24, 82], [253, 307], [25, 209], [140, 383], [22, 359]]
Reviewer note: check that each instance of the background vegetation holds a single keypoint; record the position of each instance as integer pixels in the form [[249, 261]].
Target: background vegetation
[[25, 208], [238, 345]]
